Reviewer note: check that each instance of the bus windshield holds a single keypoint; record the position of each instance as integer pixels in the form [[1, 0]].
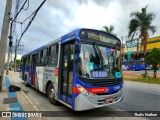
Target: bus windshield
[[98, 62]]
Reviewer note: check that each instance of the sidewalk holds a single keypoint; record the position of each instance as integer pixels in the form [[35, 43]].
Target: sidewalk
[[15, 101]]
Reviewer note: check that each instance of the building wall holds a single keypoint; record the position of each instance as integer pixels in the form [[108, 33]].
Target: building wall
[[152, 43]]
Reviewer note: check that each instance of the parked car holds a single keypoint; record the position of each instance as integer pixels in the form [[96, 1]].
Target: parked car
[[18, 69]]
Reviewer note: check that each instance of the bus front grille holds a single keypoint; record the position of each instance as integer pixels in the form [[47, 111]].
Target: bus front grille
[[102, 82], [106, 83]]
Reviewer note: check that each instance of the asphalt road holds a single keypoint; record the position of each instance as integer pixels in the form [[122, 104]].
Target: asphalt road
[[137, 97], [140, 97]]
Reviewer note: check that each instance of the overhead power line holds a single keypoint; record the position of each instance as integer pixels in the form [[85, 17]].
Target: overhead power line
[[19, 12], [33, 15], [29, 23], [24, 6]]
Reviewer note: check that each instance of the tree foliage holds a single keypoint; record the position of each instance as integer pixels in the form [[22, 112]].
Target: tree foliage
[[141, 24], [153, 58], [109, 29]]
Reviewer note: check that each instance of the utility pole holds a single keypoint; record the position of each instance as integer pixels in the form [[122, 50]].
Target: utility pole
[[8, 59], [9, 50], [11, 36], [3, 40]]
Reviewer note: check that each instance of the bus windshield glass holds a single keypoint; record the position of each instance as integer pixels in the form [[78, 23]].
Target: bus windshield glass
[[98, 62]]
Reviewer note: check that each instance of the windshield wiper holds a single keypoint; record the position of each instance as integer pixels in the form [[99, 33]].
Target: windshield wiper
[[100, 55]]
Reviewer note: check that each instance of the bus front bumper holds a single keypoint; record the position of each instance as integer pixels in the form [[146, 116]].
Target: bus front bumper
[[83, 102]]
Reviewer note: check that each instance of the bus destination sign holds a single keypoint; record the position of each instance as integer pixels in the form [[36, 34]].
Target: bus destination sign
[[99, 36]]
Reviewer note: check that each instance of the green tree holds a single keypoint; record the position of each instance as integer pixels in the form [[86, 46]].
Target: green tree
[[141, 24], [153, 58], [109, 29], [18, 63]]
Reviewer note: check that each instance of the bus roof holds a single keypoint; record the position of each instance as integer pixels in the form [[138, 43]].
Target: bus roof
[[75, 32]]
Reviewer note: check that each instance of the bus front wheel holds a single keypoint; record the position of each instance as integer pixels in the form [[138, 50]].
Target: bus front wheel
[[51, 95]]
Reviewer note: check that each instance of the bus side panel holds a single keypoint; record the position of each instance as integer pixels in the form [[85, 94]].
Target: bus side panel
[[42, 76], [49, 75], [40, 72], [28, 75]]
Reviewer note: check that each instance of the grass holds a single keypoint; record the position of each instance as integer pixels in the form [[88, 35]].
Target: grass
[[149, 80]]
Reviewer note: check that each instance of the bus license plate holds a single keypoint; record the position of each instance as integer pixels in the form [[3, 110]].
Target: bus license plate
[[109, 99]]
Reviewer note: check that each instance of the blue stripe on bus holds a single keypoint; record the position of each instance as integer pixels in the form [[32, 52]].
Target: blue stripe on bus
[[70, 100], [63, 97], [27, 68], [13, 105], [111, 88]]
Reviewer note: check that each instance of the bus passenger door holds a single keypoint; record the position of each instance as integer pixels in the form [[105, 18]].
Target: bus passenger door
[[33, 70], [66, 74], [23, 68]]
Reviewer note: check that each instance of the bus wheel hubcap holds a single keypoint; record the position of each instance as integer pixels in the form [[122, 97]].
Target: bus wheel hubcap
[[51, 93]]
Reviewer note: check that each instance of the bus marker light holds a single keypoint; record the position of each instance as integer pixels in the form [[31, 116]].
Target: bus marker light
[[56, 72], [75, 90]]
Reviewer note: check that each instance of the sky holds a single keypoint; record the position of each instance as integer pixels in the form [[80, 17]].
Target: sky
[[58, 17]]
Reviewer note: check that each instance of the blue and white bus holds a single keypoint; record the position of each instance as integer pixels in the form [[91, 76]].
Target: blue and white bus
[[82, 69], [134, 65]]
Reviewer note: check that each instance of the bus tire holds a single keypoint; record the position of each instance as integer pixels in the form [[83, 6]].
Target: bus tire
[[25, 81], [134, 69], [51, 94]]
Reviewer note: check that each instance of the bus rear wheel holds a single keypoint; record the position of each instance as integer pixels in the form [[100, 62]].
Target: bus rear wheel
[[51, 95]]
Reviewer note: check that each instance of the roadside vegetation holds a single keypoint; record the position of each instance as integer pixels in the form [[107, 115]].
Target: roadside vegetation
[[153, 59], [149, 80]]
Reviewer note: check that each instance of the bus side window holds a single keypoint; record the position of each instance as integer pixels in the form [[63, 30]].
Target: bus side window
[[49, 51], [38, 60], [45, 59], [28, 60], [53, 55], [41, 57]]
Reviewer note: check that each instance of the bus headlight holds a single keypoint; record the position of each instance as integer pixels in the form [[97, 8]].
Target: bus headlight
[[84, 91], [80, 88], [92, 95]]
